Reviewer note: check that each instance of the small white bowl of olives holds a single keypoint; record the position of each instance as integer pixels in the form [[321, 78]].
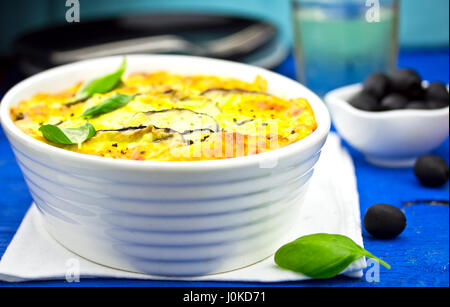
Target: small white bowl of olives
[[392, 119]]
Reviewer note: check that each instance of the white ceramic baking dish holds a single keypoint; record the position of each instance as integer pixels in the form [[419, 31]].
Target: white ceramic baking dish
[[166, 218]]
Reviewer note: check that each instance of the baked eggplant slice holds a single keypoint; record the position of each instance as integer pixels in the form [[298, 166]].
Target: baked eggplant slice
[[191, 126], [213, 91], [159, 134], [182, 120], [125, 129]]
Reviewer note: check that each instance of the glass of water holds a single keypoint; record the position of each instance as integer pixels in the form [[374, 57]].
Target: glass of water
[[341, 42]]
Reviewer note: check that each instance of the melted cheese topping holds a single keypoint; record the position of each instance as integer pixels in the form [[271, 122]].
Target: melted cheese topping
[[175, 118]]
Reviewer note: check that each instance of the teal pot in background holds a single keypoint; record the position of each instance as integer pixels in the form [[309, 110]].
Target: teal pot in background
[[423, 23]]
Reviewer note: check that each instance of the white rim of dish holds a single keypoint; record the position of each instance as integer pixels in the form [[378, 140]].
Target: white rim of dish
[[336, 96], [320, 110]]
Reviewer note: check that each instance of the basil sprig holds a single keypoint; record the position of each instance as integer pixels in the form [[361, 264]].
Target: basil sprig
[[100, 85], [108, 105], [68, 136], [321, 256]]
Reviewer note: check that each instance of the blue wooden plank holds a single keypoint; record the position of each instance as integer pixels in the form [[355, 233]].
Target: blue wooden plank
[[419, 257]]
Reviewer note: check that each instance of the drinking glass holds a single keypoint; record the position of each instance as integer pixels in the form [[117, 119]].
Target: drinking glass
[[341, 42]]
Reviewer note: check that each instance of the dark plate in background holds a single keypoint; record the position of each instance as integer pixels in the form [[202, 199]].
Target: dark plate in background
[[42, 49]]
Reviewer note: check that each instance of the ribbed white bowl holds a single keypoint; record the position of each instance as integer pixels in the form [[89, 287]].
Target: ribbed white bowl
[[166, 218]]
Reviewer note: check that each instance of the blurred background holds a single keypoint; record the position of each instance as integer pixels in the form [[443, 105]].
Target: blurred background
[[422, 25]]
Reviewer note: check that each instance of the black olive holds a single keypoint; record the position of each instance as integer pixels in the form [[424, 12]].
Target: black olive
[[378, 85], [365, 101], [384, 221], [408, 83], [417, 105], [437, 91], [394, 102], [432, 171], [437, 104]]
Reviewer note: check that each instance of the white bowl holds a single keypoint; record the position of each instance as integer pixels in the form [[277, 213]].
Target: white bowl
[[166, 218], [390, 138]]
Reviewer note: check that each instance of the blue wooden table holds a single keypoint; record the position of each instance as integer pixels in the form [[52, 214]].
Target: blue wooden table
[[419, 257]]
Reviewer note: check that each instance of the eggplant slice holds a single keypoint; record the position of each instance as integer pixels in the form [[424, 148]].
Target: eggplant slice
[[159, 134], [182, 120], [213, 91], [192, 126], [125, 129]]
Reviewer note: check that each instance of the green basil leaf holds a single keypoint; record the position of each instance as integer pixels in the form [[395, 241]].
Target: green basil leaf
[[321, 256], [108, 105], [68, 136], [100, 85]]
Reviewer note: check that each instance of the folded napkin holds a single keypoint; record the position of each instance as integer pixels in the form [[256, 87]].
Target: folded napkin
[[331, 206]]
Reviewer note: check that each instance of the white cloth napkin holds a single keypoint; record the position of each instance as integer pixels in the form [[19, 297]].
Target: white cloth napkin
[[331, 206]]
